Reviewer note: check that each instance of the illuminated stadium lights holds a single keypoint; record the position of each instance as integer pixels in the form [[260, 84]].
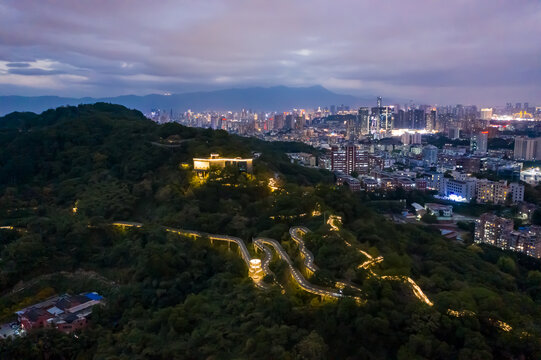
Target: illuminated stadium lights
[[452, 197], [457, 198]]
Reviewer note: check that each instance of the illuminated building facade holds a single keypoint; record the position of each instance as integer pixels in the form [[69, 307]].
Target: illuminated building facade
[[498, 231], [531, 176], [349, 159], [486, 114], [498, 192], [204, 165], [479, 143], [431, 119], [493, 230], [459, 190]]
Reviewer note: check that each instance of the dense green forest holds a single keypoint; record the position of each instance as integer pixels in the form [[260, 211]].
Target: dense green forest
[[171, 297]]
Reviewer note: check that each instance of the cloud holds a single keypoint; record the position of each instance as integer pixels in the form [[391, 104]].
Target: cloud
[[457, 51], [32, 71], [18, 65]]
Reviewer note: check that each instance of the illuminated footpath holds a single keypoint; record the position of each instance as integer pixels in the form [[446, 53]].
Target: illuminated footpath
[[259, 268], [334, 221]]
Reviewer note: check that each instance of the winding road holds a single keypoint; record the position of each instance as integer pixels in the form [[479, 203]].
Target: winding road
[[257, 266], [263, 244]]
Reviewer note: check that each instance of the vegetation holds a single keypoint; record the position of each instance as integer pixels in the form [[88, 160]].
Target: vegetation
[[172, 297]]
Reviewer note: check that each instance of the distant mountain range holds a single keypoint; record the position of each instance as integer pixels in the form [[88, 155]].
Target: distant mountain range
[[277, 98]]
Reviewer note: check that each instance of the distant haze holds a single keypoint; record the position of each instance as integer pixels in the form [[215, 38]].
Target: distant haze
[[484, 52], [279, 98]]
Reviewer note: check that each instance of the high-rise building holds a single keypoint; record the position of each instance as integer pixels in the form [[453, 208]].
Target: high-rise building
[[279, 121], [351, 130], [493, 230], [430, 154], [486, 114], [400, 119], [419, 121], [493, 192], [386, 118], [364, 120], [289, 122], [527, 241], [527, 148], [410, 139], [498, 231], [453, 133], [479, 142], [431, 119], [381, 118], [459, 189], [349, 159]]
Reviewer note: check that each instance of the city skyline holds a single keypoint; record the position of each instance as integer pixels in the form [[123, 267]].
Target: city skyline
[[430, 53]]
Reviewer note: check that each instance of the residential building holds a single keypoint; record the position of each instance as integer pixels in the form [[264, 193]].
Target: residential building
[[526, 240], [453, 133], [343, 179], [459, 190], [486, 114], [479, 143], [470, 165], [493, 230], [65, 312], [439, 210], [430, 154], [527, 148], [498, 192], [349, 159], [531, 176]]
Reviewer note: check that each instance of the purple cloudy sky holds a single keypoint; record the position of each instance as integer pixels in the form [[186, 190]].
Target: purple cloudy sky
[[468, 51]]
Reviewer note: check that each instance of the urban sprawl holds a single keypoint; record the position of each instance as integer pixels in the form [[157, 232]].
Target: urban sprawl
[[443, 150]]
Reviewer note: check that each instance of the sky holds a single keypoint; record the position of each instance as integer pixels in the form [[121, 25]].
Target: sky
[[440, 52]]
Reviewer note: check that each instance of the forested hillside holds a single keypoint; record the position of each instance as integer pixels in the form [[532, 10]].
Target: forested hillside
[[67, 174]]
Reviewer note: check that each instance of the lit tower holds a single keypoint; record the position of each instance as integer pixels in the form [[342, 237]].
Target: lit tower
[[256, 271]]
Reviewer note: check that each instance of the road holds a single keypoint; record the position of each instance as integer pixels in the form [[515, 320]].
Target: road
[[295, 273], [296, 234], [262, 244]]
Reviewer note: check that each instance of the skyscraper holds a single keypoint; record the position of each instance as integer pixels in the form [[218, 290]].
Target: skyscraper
[[430, 154], [486, 114], [364, 120], [527, 148], [419, 121], [431, 117], [479, 143], [349, 159]]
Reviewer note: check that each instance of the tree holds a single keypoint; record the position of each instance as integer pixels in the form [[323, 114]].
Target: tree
[[429, 218], [312, 347], [536, 217], [506, 264]]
